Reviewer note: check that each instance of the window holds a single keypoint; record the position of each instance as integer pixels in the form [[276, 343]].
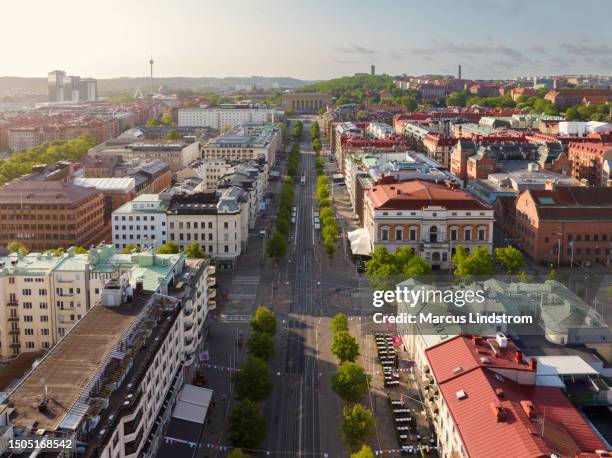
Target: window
[[482, 234], [433, 234], [44, 332], [467, 233], [44, 318], [27, 305], [28, 318], [453, 233], [28, 331], [399, 233], [413, 233], [384, 233], [226, 248]]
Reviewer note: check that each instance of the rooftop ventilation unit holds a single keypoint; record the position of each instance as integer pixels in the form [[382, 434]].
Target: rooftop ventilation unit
[[461, 394], [456, 370]]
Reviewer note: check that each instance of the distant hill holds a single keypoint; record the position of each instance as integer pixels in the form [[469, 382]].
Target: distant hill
[[11, 85]]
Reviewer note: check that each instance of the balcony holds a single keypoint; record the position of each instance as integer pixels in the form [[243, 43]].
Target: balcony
[[188, 327], [212, 292], [14, 331], [188, 312], [212, 304], [12, 304], [211, 270], [212, 281], [13, 318], [15, 345]]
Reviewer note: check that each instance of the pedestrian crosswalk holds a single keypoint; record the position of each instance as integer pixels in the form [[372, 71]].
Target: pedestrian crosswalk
[[246, 280], [223, 318]]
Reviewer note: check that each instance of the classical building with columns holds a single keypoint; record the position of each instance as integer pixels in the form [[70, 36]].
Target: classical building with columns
[[306, 102], [433, 219]]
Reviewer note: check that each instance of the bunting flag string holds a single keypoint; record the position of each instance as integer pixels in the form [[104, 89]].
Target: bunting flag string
[[235, 369], [226, 448]]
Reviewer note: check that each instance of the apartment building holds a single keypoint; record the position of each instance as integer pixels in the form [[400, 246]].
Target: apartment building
[[381, 166], [485, 401], [245, 142], [587, 162], [43, 296], [431, 218], [177, 154], [217, 220], [222, 118], [141, 222], [565, 225], [209, 170], [51, 214], [123, 389]]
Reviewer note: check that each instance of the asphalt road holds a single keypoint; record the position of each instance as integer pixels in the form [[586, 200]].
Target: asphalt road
[[293, 408]]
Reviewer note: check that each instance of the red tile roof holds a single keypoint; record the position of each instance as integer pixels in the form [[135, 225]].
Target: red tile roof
[[416, 194], [493, 419]]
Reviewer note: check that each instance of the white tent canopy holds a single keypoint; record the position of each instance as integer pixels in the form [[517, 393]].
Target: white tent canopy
[[192, 404], [360, 241]]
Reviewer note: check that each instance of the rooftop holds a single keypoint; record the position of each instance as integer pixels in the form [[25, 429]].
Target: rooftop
[[71, 365], [496, 413], [417, 194], [44, 192], [107, 184]]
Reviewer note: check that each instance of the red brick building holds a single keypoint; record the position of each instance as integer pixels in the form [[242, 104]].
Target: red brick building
[[567, 97], [51, 214], [587, 159], [566, 224]]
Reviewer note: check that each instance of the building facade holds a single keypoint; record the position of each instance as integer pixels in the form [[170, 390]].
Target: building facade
[[141, 222], [565, 225], [50, 214], [307, 102], [432, 219], [222, 118]]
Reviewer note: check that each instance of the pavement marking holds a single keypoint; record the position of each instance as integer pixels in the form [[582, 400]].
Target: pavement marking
[[246, 280], [233, 318]]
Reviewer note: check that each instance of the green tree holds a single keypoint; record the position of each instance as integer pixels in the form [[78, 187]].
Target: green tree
[[339, 323], [194, 250], [80, 250], [350, 382], [173, 135], [166, 120], [510, 257], [253, 381], [152, 122], [416, 267], [264, 321], [247, 425], [552, 275], [523, 277], [17, 247], [237, 453], [168, 248], [277, 245], [129, 248], [364, 452], [357, 426], [479, 262], [345, 347], [261, 344]]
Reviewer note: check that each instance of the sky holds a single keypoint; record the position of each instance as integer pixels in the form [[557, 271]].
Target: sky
[[314, 39]]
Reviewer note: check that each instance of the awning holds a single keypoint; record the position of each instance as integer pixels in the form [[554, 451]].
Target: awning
[[360, 241]]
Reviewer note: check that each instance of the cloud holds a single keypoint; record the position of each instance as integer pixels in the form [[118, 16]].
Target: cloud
[[588, 49], [344, 61], [357, 50], [539, 49], [446, 47]]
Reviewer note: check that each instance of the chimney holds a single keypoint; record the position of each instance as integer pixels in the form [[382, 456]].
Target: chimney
[[498, 411], [518, 357], [499, 392], [528, 408], [533, 364]]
